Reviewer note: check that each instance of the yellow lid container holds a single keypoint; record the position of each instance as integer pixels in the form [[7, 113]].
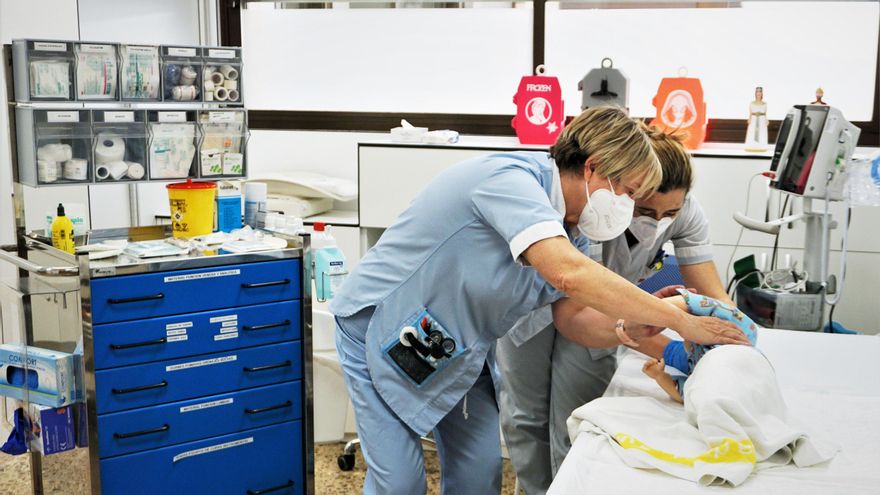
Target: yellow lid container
[[192, 207]]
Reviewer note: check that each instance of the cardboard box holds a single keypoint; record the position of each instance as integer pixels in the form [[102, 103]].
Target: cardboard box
[[46, 377], [51, 429]]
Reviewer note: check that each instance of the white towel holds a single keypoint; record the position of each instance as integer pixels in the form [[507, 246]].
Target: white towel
[[733, 423]]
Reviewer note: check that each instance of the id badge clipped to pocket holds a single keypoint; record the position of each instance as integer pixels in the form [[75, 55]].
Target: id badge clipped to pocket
[[423, 348]]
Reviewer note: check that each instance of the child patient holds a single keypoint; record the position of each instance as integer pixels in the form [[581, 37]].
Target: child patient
[[685, 357]]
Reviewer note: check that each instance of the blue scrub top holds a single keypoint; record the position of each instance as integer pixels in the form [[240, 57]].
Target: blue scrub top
[[450, 253]]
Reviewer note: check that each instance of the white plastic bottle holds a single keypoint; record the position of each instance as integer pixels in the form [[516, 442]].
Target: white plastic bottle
[[330, 268], [255, 197]]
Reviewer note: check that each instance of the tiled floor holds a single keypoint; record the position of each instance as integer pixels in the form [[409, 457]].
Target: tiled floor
[[65, 471]]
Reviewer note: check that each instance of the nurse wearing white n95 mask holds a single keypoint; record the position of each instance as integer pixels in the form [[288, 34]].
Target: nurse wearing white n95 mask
[[547, 375], [481, 246]]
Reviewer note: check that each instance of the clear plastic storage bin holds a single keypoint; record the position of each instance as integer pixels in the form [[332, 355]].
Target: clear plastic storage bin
[[224, 137], [222, 76], [96, 71], [140, 78], [54, 146], [43, 70], [181, 73], [173, 142], [120, 145]]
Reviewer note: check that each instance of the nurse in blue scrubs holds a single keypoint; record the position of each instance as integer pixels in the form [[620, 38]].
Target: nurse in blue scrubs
[[480, 247]]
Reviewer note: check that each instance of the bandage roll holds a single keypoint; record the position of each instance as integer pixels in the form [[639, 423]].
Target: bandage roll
[[76, 169], [229, 72], [209, 96], [135, 170], [187, 75], [184, 93], [109, 148], [118, 170], [209, 86], [47, 170], [102, 172], [233, 95], [230, 84], [221, 94], [217, 78], [56, 152]]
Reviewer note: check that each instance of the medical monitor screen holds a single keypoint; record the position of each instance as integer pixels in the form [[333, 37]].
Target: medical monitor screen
[[803, 151]]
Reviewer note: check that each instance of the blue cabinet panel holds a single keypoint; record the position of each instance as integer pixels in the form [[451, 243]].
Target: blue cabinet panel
[[185, 291], [255, 460], [197, 376], [143, 341], [158, 426]]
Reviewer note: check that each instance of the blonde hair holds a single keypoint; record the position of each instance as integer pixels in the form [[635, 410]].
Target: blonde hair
[[619, 146], [674, 160]]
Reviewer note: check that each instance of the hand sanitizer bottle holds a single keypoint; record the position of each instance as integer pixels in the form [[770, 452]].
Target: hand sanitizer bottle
[[330, 269]]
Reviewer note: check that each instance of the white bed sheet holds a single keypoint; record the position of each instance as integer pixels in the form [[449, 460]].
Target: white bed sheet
[[831, 384]]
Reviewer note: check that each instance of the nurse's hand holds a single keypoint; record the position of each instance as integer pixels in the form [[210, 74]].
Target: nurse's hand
[[711, 330]]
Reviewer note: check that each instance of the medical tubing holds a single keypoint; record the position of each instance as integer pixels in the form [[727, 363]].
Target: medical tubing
[[824, 260], [741, 228]]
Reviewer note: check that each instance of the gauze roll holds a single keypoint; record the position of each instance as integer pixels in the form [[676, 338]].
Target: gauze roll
[[209, 96], [135, 170], [117, 169], [230, 84], [76, 169], [187, 76], [47, 170], [229, 72], [221, 94], [102, 172], [233, 95], [109, 148], [217, 78], [56, 152], [209, 86], [184, 93]]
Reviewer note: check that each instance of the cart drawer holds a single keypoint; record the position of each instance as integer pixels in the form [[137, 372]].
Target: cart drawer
[[208, 374], [253, 461], [131, 297], [158, 426], [154, 339]]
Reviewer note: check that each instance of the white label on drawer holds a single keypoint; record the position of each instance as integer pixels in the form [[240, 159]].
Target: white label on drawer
[[221, 117], [229, 329], [218, 319], [177, 338], [203, 362], [172, 116], [143, 50], [174, 326], [50, 47], [96, 48], [118, 116], [197, 276], [213, 448], [182, 52], [206, 405], [62, 116], [229, 323], [215, 53], [226, 336], [171, 333]]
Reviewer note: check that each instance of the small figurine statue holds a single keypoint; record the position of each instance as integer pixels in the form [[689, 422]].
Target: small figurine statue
[[756, 133], [819, 95]]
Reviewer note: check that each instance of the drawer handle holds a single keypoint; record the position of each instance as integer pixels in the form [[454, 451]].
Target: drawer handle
[[126, 300], [117, 347], [250, 328], [265, 284], [161, 384], [144, 432], [267, 409], [289, 484], [268, 367]]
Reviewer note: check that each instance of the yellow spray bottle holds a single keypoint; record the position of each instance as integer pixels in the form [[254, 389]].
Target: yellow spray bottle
[[62, 232]]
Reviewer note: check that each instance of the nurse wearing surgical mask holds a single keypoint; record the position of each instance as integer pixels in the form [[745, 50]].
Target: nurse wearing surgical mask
[[548, 373], [483, 244]]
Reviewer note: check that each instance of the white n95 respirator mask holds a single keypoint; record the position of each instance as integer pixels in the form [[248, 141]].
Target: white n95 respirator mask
[[647, 230], [607, 215]]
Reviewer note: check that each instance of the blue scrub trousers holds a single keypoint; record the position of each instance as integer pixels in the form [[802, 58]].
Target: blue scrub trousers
[[468, 439]]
